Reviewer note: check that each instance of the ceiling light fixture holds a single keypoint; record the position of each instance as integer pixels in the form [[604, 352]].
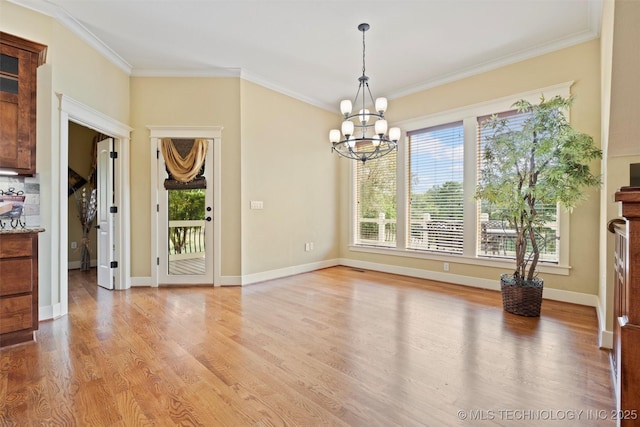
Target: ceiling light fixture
[[363, 139]]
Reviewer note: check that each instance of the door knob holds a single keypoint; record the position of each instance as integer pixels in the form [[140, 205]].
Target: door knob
[[208, 218], [208, 208]]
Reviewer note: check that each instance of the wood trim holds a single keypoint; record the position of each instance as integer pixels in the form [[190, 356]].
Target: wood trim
[[24, 44]]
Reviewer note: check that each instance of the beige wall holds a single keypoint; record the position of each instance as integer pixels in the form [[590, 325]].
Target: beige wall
[[185, 102], [287, 163], [580, 64]]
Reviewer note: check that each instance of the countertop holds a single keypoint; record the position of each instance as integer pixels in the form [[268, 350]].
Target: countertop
[[10, 230]]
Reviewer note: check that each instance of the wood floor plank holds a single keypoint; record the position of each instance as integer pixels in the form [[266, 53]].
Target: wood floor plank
[[335, 347]]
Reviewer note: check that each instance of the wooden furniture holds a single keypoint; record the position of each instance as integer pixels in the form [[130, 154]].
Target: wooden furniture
[[626, 338], [18, 287], [19, 60]]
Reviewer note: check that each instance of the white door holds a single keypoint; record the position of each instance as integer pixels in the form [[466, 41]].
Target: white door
[[104, 217], [185, 229]]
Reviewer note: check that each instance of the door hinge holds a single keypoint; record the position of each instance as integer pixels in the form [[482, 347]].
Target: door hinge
[[113, 264], [158, 261], [157, 154], [113, 209], [158, 207], [113, 154]]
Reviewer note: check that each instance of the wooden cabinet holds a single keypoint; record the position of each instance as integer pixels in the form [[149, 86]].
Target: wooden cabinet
[[626, 331], [19, 60], [18, 287]]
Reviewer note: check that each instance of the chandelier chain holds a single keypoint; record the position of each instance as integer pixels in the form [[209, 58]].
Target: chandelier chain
[[363, 49]]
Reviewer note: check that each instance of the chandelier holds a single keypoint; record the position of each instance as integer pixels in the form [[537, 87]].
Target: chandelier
[[364, 134]]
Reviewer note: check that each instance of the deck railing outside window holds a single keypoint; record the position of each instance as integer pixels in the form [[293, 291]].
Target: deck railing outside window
[[186, 239]]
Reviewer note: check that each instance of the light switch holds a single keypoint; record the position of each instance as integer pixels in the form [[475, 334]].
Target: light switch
[[257, 204]]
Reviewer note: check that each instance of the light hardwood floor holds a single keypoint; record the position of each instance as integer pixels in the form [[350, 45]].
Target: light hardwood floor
[[332, 347]]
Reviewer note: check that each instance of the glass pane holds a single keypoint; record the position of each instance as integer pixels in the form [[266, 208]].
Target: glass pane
[[375, 206], [8, 64], [436, 205], [8, 85], [496, 235], [186, 232]]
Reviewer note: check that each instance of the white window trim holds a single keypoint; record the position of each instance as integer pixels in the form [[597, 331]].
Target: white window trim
[[468, 114]]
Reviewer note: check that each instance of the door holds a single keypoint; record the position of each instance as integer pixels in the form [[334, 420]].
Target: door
[[104, 216], [185, 229]]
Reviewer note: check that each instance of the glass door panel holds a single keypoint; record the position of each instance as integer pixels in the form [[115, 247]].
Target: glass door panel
[[186, 232]]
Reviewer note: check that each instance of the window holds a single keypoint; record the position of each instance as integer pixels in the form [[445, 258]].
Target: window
[[375, 202], [418, 201], [496, 237], [435, 184]]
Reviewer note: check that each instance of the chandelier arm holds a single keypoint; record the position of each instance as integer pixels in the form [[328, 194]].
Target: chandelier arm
[[373, 101]]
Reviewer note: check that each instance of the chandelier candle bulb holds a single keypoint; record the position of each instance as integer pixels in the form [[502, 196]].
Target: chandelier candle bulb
[[381, 105], [381, 127], [334, 135], [394, 134], [371, 141], [345, 107], [347, 128], [364, 116]]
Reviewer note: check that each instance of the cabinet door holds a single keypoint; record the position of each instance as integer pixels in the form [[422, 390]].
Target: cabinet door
[[17, 109]]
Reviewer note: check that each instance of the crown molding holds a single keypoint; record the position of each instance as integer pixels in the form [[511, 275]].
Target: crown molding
[[201, 72], [259, 80], [492, 65], [65, 19]]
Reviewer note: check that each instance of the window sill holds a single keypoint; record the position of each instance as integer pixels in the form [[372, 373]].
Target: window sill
[[543, 267]]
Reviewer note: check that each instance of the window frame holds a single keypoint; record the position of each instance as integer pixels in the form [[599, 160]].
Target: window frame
[[468, 115]]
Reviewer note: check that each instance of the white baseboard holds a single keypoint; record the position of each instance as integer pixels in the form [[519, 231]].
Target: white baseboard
[[140, 281], [287, 271], [605, 336], [230, 280], [49, 312], [548, 293]]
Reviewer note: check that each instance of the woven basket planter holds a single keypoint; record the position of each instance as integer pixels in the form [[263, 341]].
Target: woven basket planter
[[521, 300]]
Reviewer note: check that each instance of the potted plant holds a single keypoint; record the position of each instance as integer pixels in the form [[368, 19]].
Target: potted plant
[[540, 162]]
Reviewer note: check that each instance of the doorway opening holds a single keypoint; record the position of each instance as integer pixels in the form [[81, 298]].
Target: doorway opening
[[185, 230], [91, 195]]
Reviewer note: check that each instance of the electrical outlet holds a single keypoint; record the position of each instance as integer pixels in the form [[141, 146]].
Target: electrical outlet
[[307, 247], [446, 266], [257, 204], [74, 245], [311, 246]]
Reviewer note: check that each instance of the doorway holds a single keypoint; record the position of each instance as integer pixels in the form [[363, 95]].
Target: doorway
[[91, 197], [163, 250], [185, 221], [72, 111]]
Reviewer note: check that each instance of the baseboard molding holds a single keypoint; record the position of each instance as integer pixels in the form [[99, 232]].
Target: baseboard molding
[[605, 337], [76, 265], [49, 312], [230, 280], [548, 293], [140, 281], [287, 271]]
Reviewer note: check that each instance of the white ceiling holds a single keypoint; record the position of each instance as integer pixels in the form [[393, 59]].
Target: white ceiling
[[312, 50]]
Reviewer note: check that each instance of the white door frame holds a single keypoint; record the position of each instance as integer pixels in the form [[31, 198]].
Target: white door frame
[[72, 110], [156, 133]]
